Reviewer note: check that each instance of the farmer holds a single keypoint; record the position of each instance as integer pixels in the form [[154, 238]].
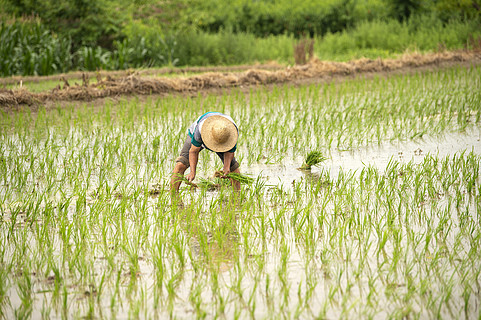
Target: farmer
[[213, 131]]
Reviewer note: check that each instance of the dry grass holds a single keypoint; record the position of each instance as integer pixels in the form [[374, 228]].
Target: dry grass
[[134, 84], [303, 51]]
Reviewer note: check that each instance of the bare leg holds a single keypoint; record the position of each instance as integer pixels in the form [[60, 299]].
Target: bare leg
[[175, 181]]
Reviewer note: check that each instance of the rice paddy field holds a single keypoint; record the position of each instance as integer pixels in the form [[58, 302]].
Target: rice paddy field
[[387, 226]]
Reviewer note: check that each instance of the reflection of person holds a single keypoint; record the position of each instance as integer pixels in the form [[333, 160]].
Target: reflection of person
[[217, 248], [213, 131]]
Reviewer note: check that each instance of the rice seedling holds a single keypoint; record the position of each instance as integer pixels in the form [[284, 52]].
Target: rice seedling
[[84, 200], [242, 178]]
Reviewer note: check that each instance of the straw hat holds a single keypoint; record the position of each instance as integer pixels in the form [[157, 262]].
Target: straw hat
[[218, 133]]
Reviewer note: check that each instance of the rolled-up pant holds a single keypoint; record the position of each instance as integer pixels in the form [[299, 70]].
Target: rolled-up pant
[[184, 155]]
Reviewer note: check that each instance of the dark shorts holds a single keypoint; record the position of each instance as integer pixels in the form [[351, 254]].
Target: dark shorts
[[184, 155]]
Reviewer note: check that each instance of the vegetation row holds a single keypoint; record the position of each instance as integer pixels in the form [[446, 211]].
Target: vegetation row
[[121, 34], [31, 49]]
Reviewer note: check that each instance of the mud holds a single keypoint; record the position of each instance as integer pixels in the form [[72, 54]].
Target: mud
[[112, 86]]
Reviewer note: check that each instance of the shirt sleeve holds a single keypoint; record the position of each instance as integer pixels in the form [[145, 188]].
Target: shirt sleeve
[[197, 143], [193, 141]]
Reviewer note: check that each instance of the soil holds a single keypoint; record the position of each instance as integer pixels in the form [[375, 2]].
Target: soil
[[113, 85]]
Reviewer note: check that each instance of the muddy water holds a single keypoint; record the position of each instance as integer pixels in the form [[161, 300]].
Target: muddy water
[[286, 174], [374, 156], [223, 264]]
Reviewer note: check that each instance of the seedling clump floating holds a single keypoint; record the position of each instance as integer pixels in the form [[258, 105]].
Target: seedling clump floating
[[313, 158]]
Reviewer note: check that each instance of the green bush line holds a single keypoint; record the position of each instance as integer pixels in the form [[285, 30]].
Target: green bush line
[[312, 17], [31, 49]]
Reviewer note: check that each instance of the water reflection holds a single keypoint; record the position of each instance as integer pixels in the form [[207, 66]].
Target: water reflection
[[212, 236], [378, 157]]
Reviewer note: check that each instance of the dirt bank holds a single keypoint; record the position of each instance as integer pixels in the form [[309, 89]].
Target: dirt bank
[[119, 84]]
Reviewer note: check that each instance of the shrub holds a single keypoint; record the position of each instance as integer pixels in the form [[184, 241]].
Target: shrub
[[381, 38]]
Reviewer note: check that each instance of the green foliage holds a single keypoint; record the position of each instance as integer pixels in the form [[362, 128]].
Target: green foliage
[[382, 38], [452, 9], [298, 18], [171, 16], [402, 9], [85, 22], [29, 48], [121, 34]]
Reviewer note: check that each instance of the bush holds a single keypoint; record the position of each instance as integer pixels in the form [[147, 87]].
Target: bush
[[228, 48], [297, 18], [421, 32]]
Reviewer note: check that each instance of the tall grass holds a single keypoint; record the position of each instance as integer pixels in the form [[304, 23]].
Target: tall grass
[[30, 49], [228, 48]]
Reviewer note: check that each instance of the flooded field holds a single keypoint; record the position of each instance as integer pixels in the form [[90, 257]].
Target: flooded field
[[386, 227]]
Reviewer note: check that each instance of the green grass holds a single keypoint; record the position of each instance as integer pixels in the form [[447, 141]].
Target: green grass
[[87, 228], [148, 47]]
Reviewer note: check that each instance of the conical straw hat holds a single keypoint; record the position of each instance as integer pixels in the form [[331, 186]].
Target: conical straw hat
[[219, 134]]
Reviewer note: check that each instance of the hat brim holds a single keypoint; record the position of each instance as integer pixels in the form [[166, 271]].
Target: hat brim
[[208, 138]]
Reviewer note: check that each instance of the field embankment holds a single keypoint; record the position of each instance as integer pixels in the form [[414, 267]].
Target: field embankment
[[134, 83]]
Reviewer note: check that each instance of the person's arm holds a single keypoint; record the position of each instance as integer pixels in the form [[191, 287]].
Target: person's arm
[[193, 159], [228, 156]]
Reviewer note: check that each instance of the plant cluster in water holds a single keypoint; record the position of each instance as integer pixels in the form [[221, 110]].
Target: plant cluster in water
[[313, 158]]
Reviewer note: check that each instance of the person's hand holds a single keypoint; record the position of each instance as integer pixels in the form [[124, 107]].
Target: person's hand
[[191, 176]]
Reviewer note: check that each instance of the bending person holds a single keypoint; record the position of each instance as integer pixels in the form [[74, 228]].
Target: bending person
[[213, 131]]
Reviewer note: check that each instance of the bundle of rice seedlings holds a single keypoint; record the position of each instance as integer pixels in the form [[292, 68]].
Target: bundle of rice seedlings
[[240, 177], [235, 176], [184, 179], [313, 158], [208, 185]]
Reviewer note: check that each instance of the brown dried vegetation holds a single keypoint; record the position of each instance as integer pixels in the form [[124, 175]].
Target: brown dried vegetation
[[303, 51], [134, 84]]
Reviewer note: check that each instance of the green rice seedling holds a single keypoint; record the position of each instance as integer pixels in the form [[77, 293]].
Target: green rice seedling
[[25, 293], [313, 158], [210, 185], [242, 178], [76, 204], [187, 182]]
